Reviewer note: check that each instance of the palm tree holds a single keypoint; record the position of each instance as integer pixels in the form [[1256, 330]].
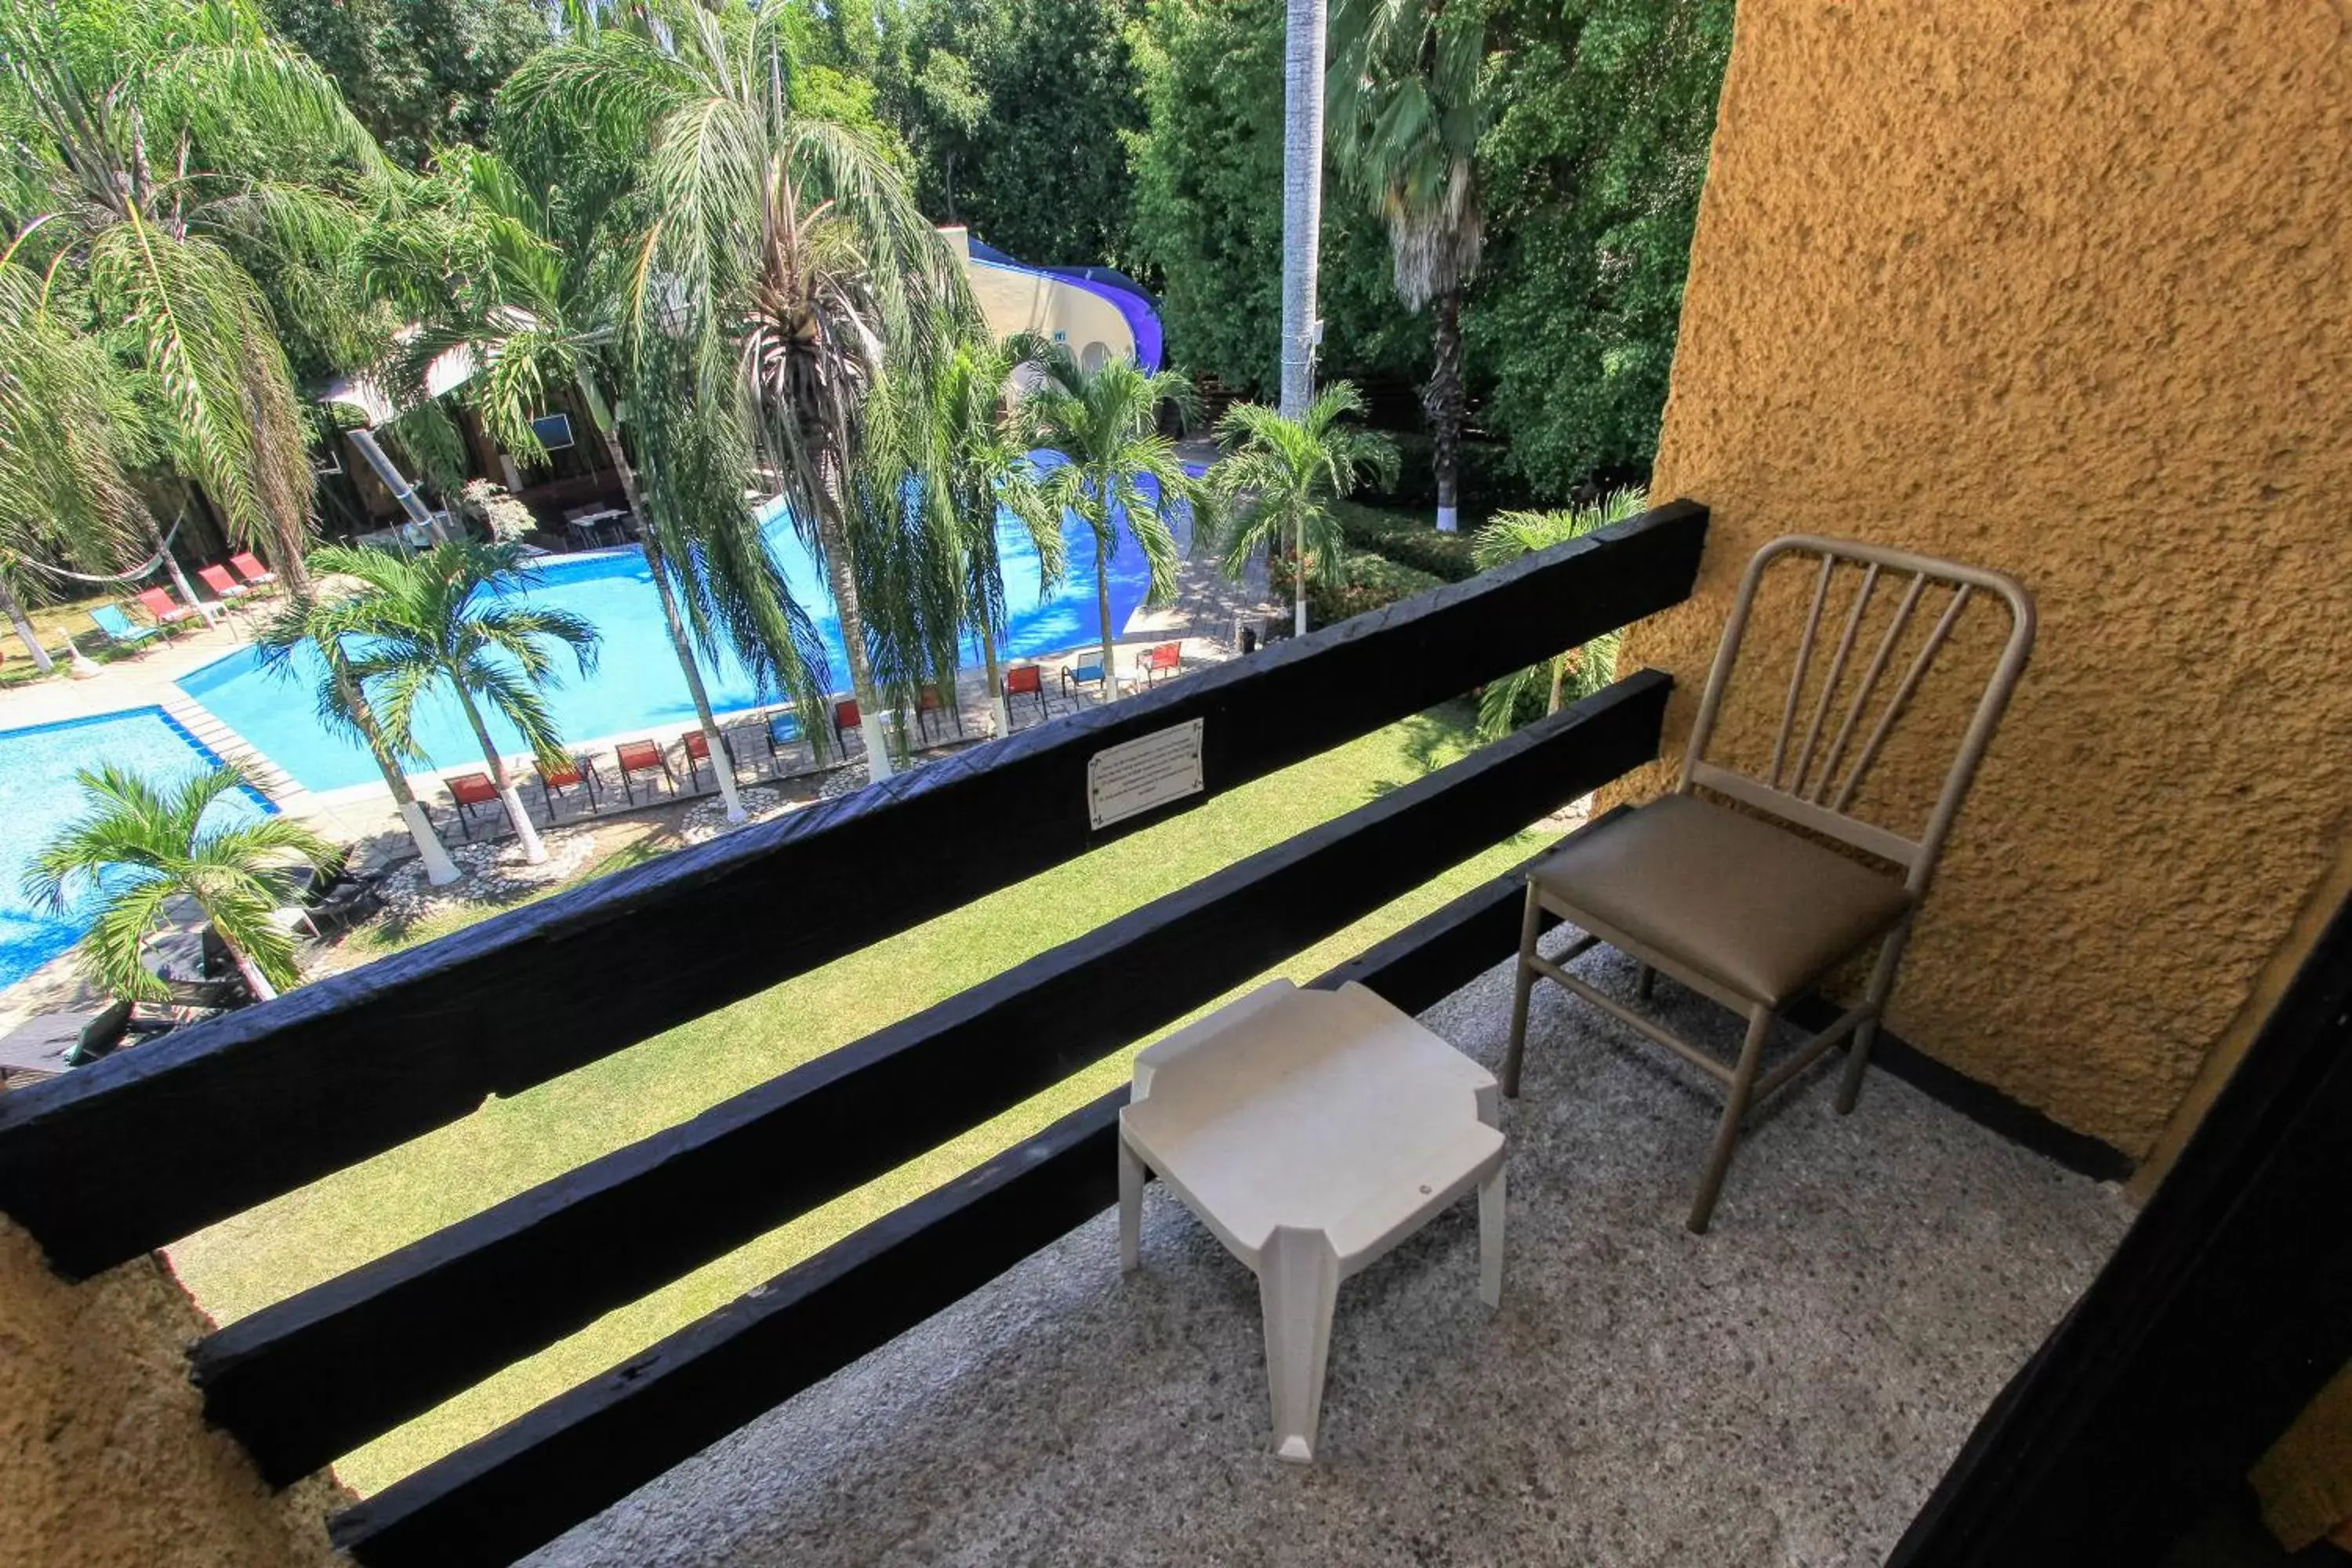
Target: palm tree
[[316, 615], [1406, 116], [477, 263], [984, 467], [152, 153], [435, 620], [1106, 423], [1578, 672], [785, 270], [141, 847], [1278, 478], [70, 430], [1305, 24]]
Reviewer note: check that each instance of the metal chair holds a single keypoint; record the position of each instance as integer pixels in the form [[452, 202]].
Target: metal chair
[[846, 721], [928, 702], [579, 774], [1026, 680], [635, 757], [698, 755], [471, 792], [783, 732], [1736, 905]]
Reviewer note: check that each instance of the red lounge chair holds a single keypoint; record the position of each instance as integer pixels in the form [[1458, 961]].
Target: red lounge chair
[[255, 575], [642, 757], [1152, 663], [227, 589], [698, 751], [1026, 680], [846, 718], [579, 774], [163, 609], [929, 701], [470, 791]]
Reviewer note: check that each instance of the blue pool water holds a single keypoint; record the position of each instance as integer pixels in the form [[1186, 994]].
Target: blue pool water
[[638, 686], [37, 797]]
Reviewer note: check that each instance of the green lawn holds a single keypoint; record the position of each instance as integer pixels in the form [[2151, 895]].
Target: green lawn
[[270, 1252]]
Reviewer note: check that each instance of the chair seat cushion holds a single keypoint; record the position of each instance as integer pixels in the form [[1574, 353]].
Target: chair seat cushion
[[1754, 907]]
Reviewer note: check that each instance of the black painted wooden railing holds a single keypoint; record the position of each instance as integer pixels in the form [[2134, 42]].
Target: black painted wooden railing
[[211, 1120]]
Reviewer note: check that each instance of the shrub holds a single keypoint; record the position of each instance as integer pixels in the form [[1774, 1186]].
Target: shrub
[[1409, 541], [1372, 581]]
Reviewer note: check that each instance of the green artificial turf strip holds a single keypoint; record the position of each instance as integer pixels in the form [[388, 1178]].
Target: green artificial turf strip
[[269, 1253]]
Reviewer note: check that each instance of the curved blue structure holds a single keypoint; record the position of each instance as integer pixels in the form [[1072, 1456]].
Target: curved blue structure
[[1122, 293]]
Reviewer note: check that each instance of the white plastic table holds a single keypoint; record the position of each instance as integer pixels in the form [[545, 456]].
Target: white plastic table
[[1311, 1132]]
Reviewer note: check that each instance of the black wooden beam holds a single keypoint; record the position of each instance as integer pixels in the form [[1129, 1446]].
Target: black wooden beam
[[213, 1120], [316, 1375], [563, 1462], [2223, 1312]]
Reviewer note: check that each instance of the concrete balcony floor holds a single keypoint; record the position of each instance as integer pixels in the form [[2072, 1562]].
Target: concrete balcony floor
[[1785, 1390]]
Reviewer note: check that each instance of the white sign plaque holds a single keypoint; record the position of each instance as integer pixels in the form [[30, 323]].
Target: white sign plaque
[[1134, 777]]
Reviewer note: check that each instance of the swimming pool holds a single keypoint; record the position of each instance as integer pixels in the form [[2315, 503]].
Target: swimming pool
[[638, 686], [37, 797]]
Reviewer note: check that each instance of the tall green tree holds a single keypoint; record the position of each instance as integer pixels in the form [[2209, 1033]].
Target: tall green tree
[[169, 155], [1406, 112], [1572, 674], [1208, 206], [421, 75], [785, 271], [140, 847], [71, 429], [477, 259], [441, 621], [982, 466], [1592, 171], [1105, 422], [1278, 477]]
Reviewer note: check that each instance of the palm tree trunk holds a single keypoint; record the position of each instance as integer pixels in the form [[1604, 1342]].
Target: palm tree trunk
[[1441, 402], [533, 851], [255, 981], [1102, 605], [1302, 197], [439, 869], [1298, 572], [179, 578], [24, 625], [987, 636], [602, 413], [839, 573], [1559, 681]]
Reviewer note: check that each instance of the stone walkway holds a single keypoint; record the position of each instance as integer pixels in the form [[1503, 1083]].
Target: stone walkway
[[1781, 1393]]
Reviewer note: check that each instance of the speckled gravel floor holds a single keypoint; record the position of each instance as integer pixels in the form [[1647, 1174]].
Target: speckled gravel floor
[[1782, 1390]]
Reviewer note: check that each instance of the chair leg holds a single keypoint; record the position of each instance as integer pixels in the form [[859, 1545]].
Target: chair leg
[[1298, 1283], [1865, 1034], [1530, 928], [1735, 1107]]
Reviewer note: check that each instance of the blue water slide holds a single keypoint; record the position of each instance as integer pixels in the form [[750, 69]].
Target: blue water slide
[[1123, 293]]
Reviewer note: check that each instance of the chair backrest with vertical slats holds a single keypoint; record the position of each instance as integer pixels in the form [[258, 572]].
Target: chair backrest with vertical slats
[[1835, 725]]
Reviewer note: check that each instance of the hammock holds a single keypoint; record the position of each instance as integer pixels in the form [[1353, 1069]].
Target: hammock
[[142, 570]]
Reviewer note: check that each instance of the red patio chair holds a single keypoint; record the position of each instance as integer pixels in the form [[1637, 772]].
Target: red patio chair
[[580, 774], [163, 609], [470, 792], [929, 701], [225, 588], [698, 751], [257, 577], [846, 718], [1152, 663], [642, 757], [1026, 680]]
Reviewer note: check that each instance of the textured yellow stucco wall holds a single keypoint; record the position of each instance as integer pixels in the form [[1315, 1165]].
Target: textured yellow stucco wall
[[105, 1459], [2064, 288]]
